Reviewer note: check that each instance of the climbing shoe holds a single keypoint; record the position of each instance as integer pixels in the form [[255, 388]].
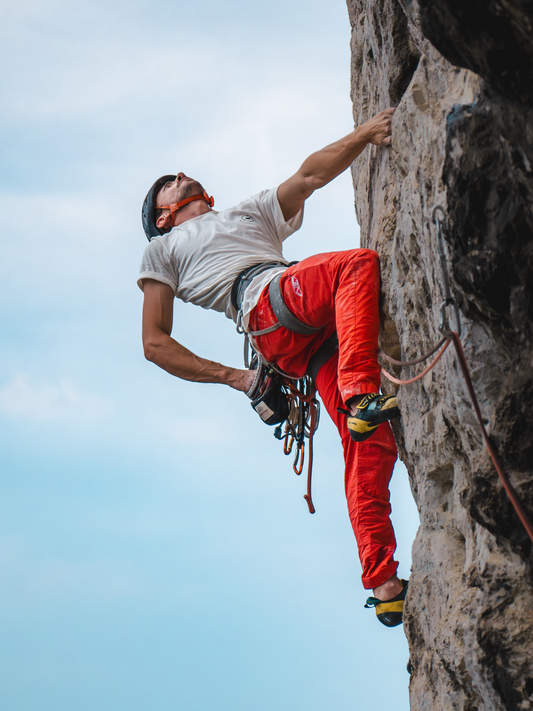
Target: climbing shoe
[[390, 612], [372, 411]]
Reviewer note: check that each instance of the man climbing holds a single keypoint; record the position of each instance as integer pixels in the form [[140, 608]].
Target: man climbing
[[227, 261]]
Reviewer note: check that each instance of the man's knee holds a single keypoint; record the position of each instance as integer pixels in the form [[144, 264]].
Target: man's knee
[[362, 258], [368, 255]]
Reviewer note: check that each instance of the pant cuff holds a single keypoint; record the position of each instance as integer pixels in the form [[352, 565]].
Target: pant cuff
[[374, 581], [365, 387]]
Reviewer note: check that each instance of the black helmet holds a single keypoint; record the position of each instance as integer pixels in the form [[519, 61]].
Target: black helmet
[[148, 212], [149, 208]]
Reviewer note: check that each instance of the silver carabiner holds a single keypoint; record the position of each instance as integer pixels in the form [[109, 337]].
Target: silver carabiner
[[449, 300]]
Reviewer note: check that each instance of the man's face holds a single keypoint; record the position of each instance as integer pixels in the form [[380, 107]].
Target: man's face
[[179, 189]]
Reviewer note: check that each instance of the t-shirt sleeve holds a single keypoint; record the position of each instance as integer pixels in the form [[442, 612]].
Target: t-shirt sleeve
[[269, 206], [156, 264]]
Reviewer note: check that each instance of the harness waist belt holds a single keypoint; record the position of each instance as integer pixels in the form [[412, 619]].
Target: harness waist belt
[[284, 315], [244, 279]]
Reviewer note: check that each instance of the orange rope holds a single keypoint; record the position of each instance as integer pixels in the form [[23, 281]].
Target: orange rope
[[311, 400], [418, 360], [453, 336], [511, 493], [308, 496]]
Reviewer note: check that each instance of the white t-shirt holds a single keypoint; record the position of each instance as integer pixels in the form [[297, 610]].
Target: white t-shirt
[[201, 258]]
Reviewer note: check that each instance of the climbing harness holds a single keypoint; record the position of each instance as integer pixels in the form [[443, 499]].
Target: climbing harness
[[285, 317], [453, 336], [243, 281], [278, 398]]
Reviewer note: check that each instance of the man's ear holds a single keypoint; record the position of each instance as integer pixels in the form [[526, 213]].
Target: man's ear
[[164, 221]]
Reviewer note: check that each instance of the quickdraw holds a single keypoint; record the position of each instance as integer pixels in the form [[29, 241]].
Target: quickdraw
[[301, 424]]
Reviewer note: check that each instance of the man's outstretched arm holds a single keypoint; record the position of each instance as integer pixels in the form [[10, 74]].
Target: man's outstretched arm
[[321, 167], [170, 355]]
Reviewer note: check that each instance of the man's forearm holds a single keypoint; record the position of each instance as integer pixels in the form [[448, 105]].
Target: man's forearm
[[325, 165], [177, 360]]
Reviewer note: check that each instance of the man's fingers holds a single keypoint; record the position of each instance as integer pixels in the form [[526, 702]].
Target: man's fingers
[[380, 127]]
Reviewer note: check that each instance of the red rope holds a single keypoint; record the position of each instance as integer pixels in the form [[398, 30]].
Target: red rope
[[418, 360], [311, 400], [511, 493], [453, 336], [312, 428]]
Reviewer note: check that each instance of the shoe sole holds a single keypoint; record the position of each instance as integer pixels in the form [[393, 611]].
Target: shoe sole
[[390, 612], [391, 619]]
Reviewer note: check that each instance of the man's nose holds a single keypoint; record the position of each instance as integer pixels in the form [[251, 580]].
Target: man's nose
[[179, 177]]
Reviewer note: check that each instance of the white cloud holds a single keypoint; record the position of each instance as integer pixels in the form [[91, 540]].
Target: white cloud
[[45, 402]]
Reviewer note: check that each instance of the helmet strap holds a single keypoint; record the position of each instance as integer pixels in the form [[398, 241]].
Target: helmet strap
[[178, 205]]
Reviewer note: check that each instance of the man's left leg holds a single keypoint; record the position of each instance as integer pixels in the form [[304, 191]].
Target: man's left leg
[[368, 470]]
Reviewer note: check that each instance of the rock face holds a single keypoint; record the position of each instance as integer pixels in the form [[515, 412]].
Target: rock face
[[461, 75]]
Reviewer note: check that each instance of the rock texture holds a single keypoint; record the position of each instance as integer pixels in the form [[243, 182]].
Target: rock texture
[[461, 75]]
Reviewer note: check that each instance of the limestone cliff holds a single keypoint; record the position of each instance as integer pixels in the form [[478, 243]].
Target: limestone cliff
[[461, 75]]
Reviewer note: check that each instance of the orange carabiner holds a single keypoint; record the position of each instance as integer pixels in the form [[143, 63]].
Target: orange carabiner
[[287, 444]]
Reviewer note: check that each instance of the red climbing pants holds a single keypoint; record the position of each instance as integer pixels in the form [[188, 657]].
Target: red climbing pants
[[340, 291]]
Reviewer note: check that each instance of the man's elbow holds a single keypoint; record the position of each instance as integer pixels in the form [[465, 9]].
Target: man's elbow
[[151, 350], [311, 182]]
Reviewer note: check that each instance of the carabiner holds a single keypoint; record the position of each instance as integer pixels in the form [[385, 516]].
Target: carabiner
[[449, 300], [289, 441], [298, 465]]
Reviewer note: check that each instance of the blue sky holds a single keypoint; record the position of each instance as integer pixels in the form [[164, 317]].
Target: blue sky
[[155, 548]]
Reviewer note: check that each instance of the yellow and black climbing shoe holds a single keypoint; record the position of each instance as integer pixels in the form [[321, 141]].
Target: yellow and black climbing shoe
[[390, 612], [372, 411]]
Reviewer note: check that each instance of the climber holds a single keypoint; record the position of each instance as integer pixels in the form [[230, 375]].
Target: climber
[[204, 257]]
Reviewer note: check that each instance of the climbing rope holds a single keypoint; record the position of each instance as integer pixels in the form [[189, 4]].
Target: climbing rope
[[451, 336], [445, 341]]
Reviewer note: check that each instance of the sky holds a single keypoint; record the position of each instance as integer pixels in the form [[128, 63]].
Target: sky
[[155, 548]]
